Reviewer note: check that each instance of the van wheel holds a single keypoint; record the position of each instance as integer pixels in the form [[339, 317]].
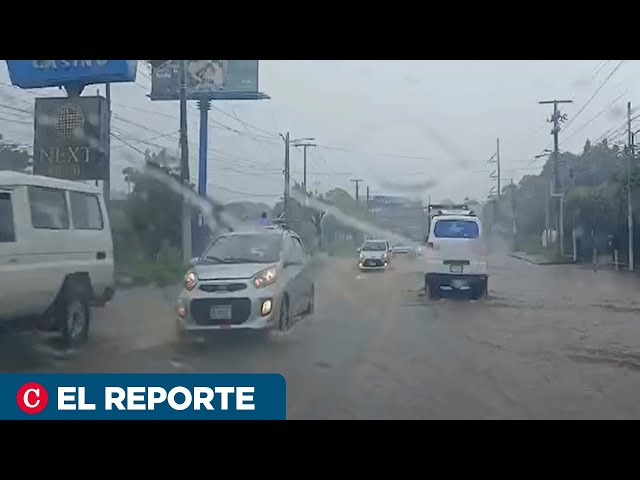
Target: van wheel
[[479, 290], [74, 319], [431, 289]]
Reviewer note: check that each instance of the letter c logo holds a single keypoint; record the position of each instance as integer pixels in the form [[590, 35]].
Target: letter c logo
[[32, 398]]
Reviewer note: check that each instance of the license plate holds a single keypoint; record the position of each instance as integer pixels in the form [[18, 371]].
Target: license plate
[[220, 312], [456, 268]]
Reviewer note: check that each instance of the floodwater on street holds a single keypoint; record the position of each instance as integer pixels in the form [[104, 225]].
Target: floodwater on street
[[554, 342]]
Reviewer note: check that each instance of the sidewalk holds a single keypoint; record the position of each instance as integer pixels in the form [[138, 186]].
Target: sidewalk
[[540, 259]]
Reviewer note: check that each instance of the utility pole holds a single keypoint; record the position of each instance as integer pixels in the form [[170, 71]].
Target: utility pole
[[184, 164], [357, 182], [201, 229], [498, 165], [495, 158], [630, 155], [514, 214], [367, 198], [287, 175], [556, 191], [304, 149]]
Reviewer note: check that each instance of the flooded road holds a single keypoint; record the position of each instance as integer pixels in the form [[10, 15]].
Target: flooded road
[[560, 342]]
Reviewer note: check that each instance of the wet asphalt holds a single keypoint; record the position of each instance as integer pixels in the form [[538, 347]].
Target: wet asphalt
[[550, 342]]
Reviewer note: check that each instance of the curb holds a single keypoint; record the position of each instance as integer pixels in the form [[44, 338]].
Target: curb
[[543, 262]]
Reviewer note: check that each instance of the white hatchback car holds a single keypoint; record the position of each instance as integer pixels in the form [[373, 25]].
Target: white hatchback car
[[455, 258], [255, 280], [374, 255]]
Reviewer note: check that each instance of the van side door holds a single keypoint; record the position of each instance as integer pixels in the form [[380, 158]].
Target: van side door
[[93, 240]]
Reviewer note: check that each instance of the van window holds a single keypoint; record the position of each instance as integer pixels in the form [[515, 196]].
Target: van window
[[7, 228], [48, 208], [456, 229], [85, 211]]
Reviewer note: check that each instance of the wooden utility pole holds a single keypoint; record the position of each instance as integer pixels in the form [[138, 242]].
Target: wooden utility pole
[[514, 214], [357, 182], [630, 155], [287, 175], [555, 120], [498, 165], [367, 198], [495, 158], [304, 172]]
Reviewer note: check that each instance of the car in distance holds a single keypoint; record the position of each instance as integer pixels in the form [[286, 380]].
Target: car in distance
[[374, 255], [253, 280], [402, 249]]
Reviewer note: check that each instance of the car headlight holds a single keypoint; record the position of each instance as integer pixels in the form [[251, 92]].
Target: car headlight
[[265, 277], [361, 255], [190, 280]]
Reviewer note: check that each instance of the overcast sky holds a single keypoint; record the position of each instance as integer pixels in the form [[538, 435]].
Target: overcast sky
[[414, 128]]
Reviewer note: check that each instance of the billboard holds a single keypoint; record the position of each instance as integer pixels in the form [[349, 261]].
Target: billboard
[[54, 73], [381, 201], [71, 138], [206, 79]]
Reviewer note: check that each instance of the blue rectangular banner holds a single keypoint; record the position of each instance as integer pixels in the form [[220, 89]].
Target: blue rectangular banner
[[53, 73], [107, 396]]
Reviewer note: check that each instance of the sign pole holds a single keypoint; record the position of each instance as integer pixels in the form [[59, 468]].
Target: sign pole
[[106, 184], [184, 164]]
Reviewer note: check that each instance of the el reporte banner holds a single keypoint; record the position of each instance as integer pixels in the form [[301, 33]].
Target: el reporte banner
[[142, 397]]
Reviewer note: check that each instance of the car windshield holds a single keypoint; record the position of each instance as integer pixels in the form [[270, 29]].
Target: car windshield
[[245, 248], [456, 229], [374, 246]]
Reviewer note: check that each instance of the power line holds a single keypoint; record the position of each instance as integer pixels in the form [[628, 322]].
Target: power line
[[601, 112], [600, 87]]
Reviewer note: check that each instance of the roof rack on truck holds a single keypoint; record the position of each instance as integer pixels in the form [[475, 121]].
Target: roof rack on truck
[[437, 209]]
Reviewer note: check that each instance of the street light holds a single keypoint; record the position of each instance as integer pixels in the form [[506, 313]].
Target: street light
[[301, 140]]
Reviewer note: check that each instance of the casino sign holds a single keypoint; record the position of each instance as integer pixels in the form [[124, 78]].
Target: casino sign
[[71, 138], [53, 73]]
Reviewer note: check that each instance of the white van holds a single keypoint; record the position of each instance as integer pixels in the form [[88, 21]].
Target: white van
[[56, 253], [455, 257]]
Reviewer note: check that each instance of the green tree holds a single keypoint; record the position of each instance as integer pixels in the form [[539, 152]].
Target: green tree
[[14, 157], [151, 220]]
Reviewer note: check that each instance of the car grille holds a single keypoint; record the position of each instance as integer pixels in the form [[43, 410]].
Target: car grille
[[223, 287], [372, 263], [240, 310]]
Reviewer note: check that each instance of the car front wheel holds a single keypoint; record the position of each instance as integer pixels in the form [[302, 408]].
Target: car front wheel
[[285, 315]]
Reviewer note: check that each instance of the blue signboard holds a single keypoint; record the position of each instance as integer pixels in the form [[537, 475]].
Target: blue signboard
[[54, 73]]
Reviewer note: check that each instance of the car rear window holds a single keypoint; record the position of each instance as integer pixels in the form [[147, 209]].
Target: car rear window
[[456, 229]]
